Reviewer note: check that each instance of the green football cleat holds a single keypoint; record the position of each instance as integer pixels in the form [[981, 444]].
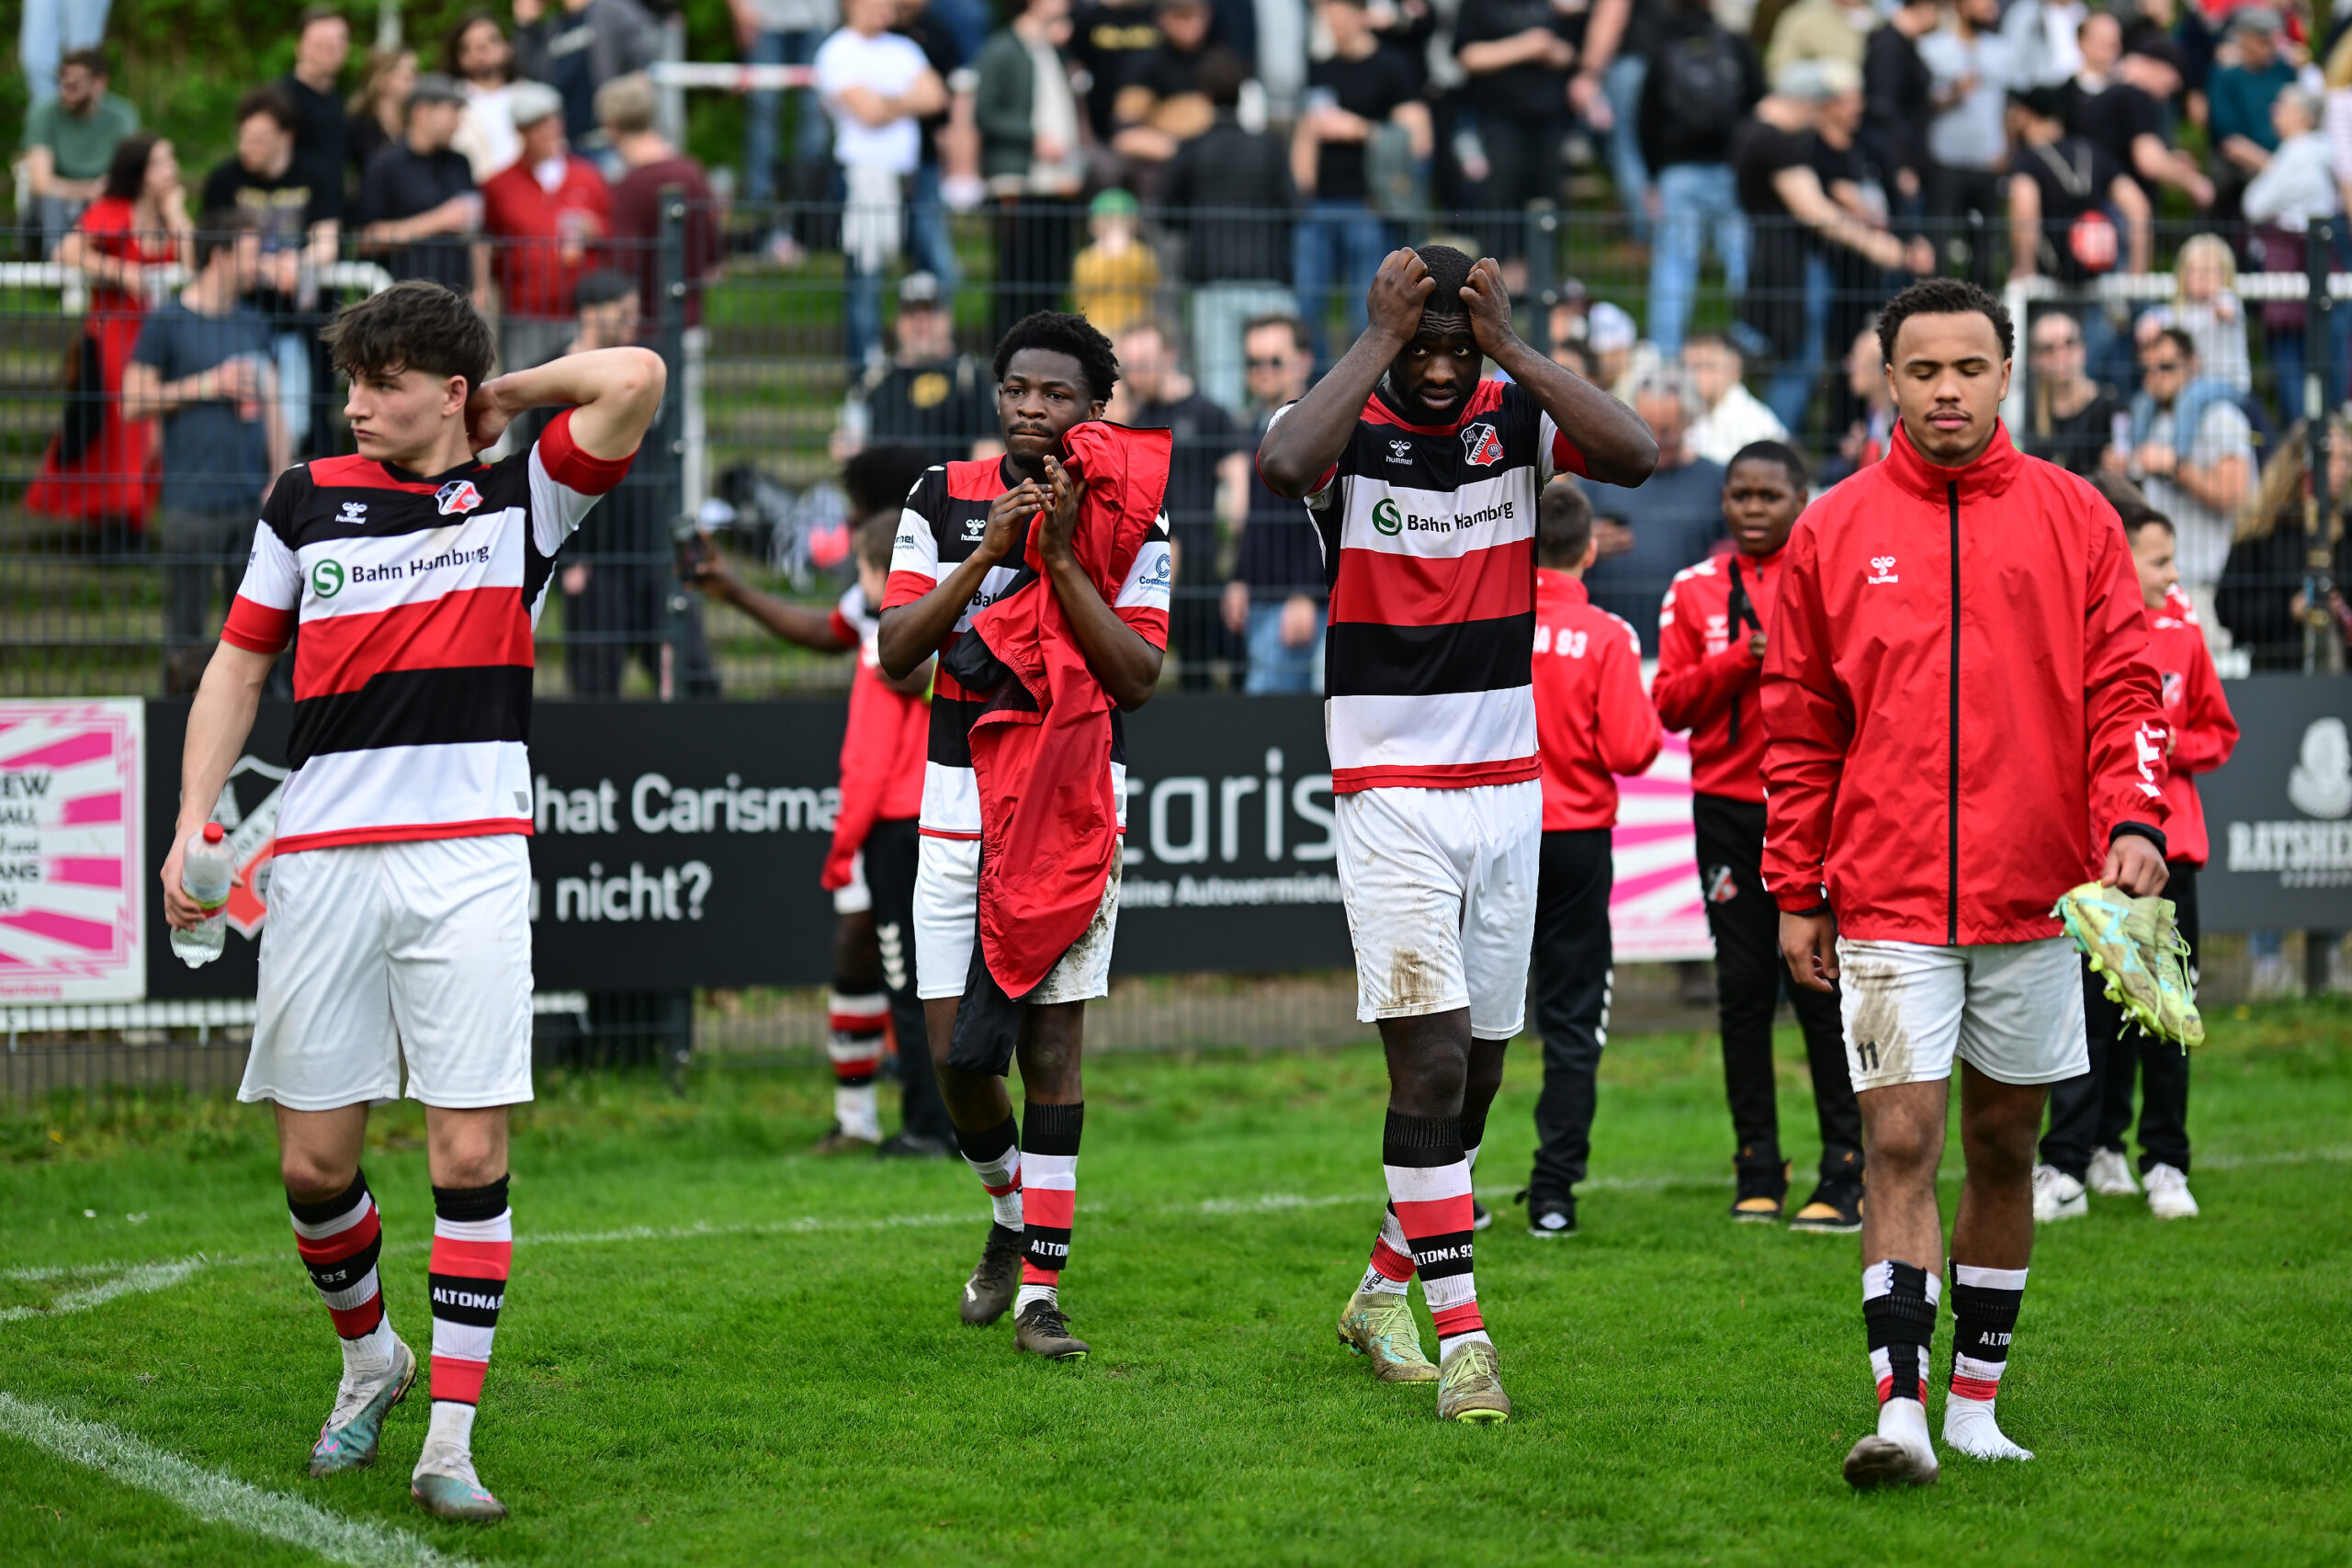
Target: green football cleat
[[354, 1427], [1379, 1324], [2134, 943], [2176, 992], [446, 1484], [1469, 1388]]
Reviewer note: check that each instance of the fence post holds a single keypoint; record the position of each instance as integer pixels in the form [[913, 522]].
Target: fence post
[[2323, 649], [1542, 251], [670, 287]]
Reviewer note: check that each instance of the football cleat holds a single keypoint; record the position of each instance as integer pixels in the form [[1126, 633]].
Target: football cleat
[[354, 1427], [446, 1484], [2135, 943], [1876, 1461], [996, 1277], [1043, 1331], [1468, 1388], [2057, 1196], [1380, 1326]]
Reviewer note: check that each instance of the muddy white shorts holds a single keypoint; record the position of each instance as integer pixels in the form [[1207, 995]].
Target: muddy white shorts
[[1440, 885], [377, 953], [947, 921], [2013, 1011], [853, 897]]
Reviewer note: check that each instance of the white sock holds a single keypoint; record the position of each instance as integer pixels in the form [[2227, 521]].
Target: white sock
[[453, 1426], [859, 1111], [1905, 1421], [1454, 1342], [1969, 1428], [1049, 1295], [370, 1357]]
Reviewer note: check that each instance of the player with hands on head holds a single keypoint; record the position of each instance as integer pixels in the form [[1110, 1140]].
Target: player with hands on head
[[1964, 725], [400, 893], [1422, 481]]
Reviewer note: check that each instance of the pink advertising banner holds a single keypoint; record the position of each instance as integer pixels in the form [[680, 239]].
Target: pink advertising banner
[[73, 857], [1656, 913]]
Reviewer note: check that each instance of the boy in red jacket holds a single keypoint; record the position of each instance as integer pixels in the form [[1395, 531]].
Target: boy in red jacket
[[1591, 723], [2088, 1115], [1711, 644], [1964, 725]]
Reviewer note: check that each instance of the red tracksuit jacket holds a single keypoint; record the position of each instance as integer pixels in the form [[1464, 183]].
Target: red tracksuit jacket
[[1958, 697], [1592, 720], [882, 749], [1706, 678], [2204, 732]]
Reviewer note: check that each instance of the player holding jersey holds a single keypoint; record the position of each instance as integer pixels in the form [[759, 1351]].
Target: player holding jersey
[[400, 895], [1422, 482]]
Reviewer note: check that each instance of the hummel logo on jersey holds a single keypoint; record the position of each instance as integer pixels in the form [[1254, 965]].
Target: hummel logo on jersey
[[975, 529], [1881, 569], [457, 496], [1482, 445], [1400, 451], [353, 512]]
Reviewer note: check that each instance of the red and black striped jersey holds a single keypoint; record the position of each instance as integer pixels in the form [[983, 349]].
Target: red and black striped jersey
[[1428, 542], [944, 520], [415, 598]]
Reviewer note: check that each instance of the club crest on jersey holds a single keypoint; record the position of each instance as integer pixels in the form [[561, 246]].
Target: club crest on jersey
[[457, 496], [1481, 445], [1719, 885], [2173, 684]]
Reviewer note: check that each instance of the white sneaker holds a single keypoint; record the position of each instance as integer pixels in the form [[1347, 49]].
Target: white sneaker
[[2168, 1196], [2111, 1175], [2057, 1196]]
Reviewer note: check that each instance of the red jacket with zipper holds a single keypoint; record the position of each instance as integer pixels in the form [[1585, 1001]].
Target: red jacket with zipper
[[1591, 721], [1958, 697], [2204, 730], [1706, 678]]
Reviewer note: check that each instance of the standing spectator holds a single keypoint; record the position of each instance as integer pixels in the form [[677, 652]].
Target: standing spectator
[[1209, 464], [1114, 282], [1821, 30], [624, 108], [69, 141], [545, 211], [1700, 84], [2206, 306], [1230, 191], [1896, 82], [50, 29], [1612, 65], [578, 47], [2107, 106], [1968, 140], [927, 396], [2192, 453], [1871, 429], [1275, 600], [1109, 39], [1643, 537], [2297, 186], [781, 32], [483, 62], [95, 470], [1165, 101], [322, 121], [948, 125], [2338, 119], [300, 222], [1032, 157], [2072, 418], [1730, 416], [202, 366], [2238, 99], [875, 84], [1364, 92], [2041, 35], [2068, 200], [2260, 600], [418, 209], [1515, 52], [378, 107]]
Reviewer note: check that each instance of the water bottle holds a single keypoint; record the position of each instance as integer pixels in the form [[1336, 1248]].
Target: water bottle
[[205, 874]]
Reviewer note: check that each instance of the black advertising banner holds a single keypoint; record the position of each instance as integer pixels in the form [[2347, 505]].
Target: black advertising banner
[[2280, 815], [679, 845]]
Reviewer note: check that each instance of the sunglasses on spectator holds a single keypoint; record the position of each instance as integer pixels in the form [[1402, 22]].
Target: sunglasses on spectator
[[1271, 363]]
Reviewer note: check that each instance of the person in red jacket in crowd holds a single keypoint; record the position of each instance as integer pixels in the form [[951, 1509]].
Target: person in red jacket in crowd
[[549, 210], [1710, 643], [1593, 723], [870, 869], [2088, 1115], [1963, 723]]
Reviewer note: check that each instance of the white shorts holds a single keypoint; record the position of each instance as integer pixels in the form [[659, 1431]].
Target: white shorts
[[374, 953], [853, 897], [2012, 1011], [1440, 891], [947, 921]]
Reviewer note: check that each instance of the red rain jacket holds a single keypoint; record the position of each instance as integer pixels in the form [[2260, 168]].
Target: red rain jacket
[[1961, 706], [2204, 730], [1050, 818], [1592, 720], [882, 760], [1706, 678]]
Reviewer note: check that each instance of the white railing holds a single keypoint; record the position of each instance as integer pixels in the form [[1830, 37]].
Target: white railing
[[73, 285]]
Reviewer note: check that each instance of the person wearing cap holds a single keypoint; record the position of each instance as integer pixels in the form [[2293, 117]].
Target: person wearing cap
[[544, 212], [926, 395], [418, 211], [1114, 280], [2239, 99], [1619, 358]]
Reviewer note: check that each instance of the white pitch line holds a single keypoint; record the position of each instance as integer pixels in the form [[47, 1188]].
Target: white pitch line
[[135, 1280], [209, 1494]]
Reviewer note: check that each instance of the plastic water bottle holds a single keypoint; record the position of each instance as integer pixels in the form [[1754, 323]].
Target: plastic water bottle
[[205, 874]]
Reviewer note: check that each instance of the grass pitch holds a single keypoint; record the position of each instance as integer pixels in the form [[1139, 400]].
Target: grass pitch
[[717, 1349]]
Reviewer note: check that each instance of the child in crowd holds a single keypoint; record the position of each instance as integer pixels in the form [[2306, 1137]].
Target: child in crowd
[[1112, 280], [2205, 306]]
